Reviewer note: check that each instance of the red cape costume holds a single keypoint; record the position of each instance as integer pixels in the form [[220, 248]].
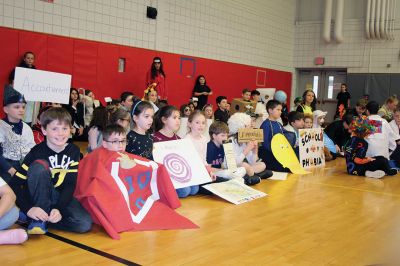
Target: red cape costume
[[125, 192]]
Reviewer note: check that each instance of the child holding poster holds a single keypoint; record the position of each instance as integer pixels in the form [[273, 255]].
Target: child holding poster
[[270, 127], [246, 154], [355, 152], [167, 122]]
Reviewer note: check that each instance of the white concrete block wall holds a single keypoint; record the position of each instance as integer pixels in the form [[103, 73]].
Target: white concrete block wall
[[356, 53], [252, 32]]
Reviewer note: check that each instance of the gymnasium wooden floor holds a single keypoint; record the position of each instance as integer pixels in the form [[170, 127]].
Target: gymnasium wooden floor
[[325, 218]]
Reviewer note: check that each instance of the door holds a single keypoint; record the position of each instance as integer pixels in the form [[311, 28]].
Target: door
[[326, 85]]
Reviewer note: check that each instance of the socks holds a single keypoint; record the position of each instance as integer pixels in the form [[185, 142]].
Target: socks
[[13, 236]]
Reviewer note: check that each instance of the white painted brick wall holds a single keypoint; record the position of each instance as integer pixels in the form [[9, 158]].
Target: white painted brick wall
[[356, 53], [252, 32]]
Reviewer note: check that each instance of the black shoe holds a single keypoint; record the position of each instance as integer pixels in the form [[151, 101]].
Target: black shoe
[[265, 174], [392, 171], [251, 180]]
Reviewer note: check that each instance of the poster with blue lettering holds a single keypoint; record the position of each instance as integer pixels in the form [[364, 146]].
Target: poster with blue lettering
[[311, 148], [182, 162], [42, 86]]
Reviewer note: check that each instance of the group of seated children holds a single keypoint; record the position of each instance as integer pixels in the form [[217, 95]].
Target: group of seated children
[[45, 181]]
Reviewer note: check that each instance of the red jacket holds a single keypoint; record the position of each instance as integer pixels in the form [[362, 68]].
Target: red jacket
[[161, 87]]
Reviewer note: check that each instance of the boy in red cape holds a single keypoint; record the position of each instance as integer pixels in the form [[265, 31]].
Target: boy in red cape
[[125, 192]]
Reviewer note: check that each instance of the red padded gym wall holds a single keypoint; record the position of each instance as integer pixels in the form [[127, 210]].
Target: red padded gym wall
[[94, 66]]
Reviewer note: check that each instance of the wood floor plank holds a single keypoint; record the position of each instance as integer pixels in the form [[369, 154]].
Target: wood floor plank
[[325, 218]]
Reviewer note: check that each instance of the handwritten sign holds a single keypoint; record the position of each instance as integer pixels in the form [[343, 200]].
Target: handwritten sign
[[234, 191], [249, 134], [42, 86], [311, 147], [230, 156]]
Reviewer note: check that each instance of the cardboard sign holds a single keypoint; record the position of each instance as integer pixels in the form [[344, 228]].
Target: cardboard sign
[[42, 86], [182, 161], [238, 105], [249, 134], [234, 191], [311, 147]]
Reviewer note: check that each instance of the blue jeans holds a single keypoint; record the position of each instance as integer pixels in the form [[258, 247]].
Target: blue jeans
[[186, 191], [43, 194], [9, 218]]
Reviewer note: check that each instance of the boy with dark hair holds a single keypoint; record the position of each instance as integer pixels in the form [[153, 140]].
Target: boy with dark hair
[[16, 137], [246, 93], [222, 113], [295, 122], [126, 100], [270, 127], [383, 139], [45, 182], [255, 95], [114, 138], [338, 131]]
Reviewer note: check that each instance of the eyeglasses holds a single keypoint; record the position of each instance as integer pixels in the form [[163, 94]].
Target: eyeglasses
[[114, 142], [186, 110]]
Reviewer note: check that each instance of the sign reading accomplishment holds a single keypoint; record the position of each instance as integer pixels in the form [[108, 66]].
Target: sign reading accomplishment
[[42, 86]]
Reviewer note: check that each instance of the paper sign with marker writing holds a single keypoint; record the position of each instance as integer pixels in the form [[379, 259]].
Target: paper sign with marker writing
[[182, 161], [42, 86], [230, 156], [249, 134], [234, 191], [311, 148]]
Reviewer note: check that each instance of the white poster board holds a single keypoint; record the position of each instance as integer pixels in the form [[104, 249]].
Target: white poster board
[[234, 191], [42, 86], [182, 162], [311, 148], [266, 94]]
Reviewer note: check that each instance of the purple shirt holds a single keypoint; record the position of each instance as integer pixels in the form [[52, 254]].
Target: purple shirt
[[158, 137]]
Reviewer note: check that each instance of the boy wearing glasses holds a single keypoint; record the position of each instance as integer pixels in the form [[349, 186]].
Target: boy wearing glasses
[[46, 181], [114, 138]]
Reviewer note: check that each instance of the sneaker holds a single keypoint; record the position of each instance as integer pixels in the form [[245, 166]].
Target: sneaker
[[375, 174], [251, 180], [37, 228], [392, 171], [265, 174]]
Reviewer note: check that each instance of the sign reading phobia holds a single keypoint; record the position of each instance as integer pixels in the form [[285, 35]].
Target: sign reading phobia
[[311, 147]]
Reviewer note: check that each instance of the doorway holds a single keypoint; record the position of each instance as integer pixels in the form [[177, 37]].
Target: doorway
[[326, 85]]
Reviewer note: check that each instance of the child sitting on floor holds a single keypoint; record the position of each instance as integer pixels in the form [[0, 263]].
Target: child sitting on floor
[[45, 182], [216, 155], [330, 149], [246, 153], [355, 153]]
